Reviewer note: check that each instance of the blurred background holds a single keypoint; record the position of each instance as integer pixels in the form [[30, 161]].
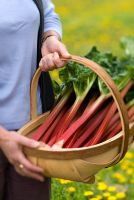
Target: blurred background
[[98, 23], [95, 22]]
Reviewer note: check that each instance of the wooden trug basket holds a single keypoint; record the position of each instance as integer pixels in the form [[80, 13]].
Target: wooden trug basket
[[79, 164]]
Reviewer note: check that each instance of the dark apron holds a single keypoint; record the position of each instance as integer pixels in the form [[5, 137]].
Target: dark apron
[[47, 95], [16, 187]]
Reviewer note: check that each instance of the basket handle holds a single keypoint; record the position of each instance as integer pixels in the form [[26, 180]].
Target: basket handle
[[110, 84]]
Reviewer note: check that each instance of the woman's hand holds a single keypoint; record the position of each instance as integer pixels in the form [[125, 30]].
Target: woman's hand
[[12, 146], [52, 50]]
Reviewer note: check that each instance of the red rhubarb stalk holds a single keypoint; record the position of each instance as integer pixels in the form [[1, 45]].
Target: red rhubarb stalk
[[95, 122], [119, 127], [51, 117], [50, 130], [56, 131], [77, 134], [87, 114], [71, 114], [114, 121], [97, 137], [80, 96]]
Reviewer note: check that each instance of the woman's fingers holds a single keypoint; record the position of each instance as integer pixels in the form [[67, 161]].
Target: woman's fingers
[[62, 50], [28, 165], [47, 63], [51, 61], [20, 139], [25, 172], [25, 168], [57, 61], [24, 141]]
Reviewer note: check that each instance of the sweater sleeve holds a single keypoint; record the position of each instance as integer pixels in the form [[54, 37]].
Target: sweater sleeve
[[51, 18]]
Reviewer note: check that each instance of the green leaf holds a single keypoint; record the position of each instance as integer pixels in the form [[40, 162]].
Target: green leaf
[[81, 87], [79, 76], [58, 89]]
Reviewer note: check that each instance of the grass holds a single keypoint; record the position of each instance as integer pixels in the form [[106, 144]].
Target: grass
[[85, 24]]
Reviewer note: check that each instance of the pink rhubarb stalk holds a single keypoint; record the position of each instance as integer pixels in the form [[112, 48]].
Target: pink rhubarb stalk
[[87, 114], [119, 127], [51, 117], [95, 122], [50, 130], [97, 137]]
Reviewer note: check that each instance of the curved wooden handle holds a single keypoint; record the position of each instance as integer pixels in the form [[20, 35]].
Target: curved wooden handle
[[110, 84]]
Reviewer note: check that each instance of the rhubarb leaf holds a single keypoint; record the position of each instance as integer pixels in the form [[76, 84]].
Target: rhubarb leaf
[[81, 77], [58, 89], [113, 66]]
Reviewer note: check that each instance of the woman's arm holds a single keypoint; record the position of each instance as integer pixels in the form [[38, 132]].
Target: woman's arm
[[52, 48], [52, 23]]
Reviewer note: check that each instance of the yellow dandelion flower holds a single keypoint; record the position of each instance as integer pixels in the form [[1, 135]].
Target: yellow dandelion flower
[[99, 197], [94, 198], [124, 167], [88, 193], [102, 186], [129, 155], [130, 171], [122, 180], [112, 198], [111, 189], [120, 195], [119, 177], [106, 194], [71, 189], [63, 181]]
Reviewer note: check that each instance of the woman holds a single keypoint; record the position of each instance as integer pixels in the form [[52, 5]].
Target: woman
[[29, 30]]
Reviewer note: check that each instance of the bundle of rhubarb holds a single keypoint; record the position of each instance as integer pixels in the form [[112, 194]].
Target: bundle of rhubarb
[[85, 113]]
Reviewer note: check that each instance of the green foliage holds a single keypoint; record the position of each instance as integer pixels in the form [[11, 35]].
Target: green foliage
[[56, 88], [81, 78]]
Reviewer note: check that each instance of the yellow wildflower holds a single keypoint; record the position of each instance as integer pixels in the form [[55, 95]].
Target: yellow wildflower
[[130, 171], [124, 167], [119, 177], [120, 195], [99, 197], [102, 186], [88, 193], [112, 198], [106, 194], [63, 181], [129, 155], [94, 198], [71, 189], [122, 180], [111, 189]]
